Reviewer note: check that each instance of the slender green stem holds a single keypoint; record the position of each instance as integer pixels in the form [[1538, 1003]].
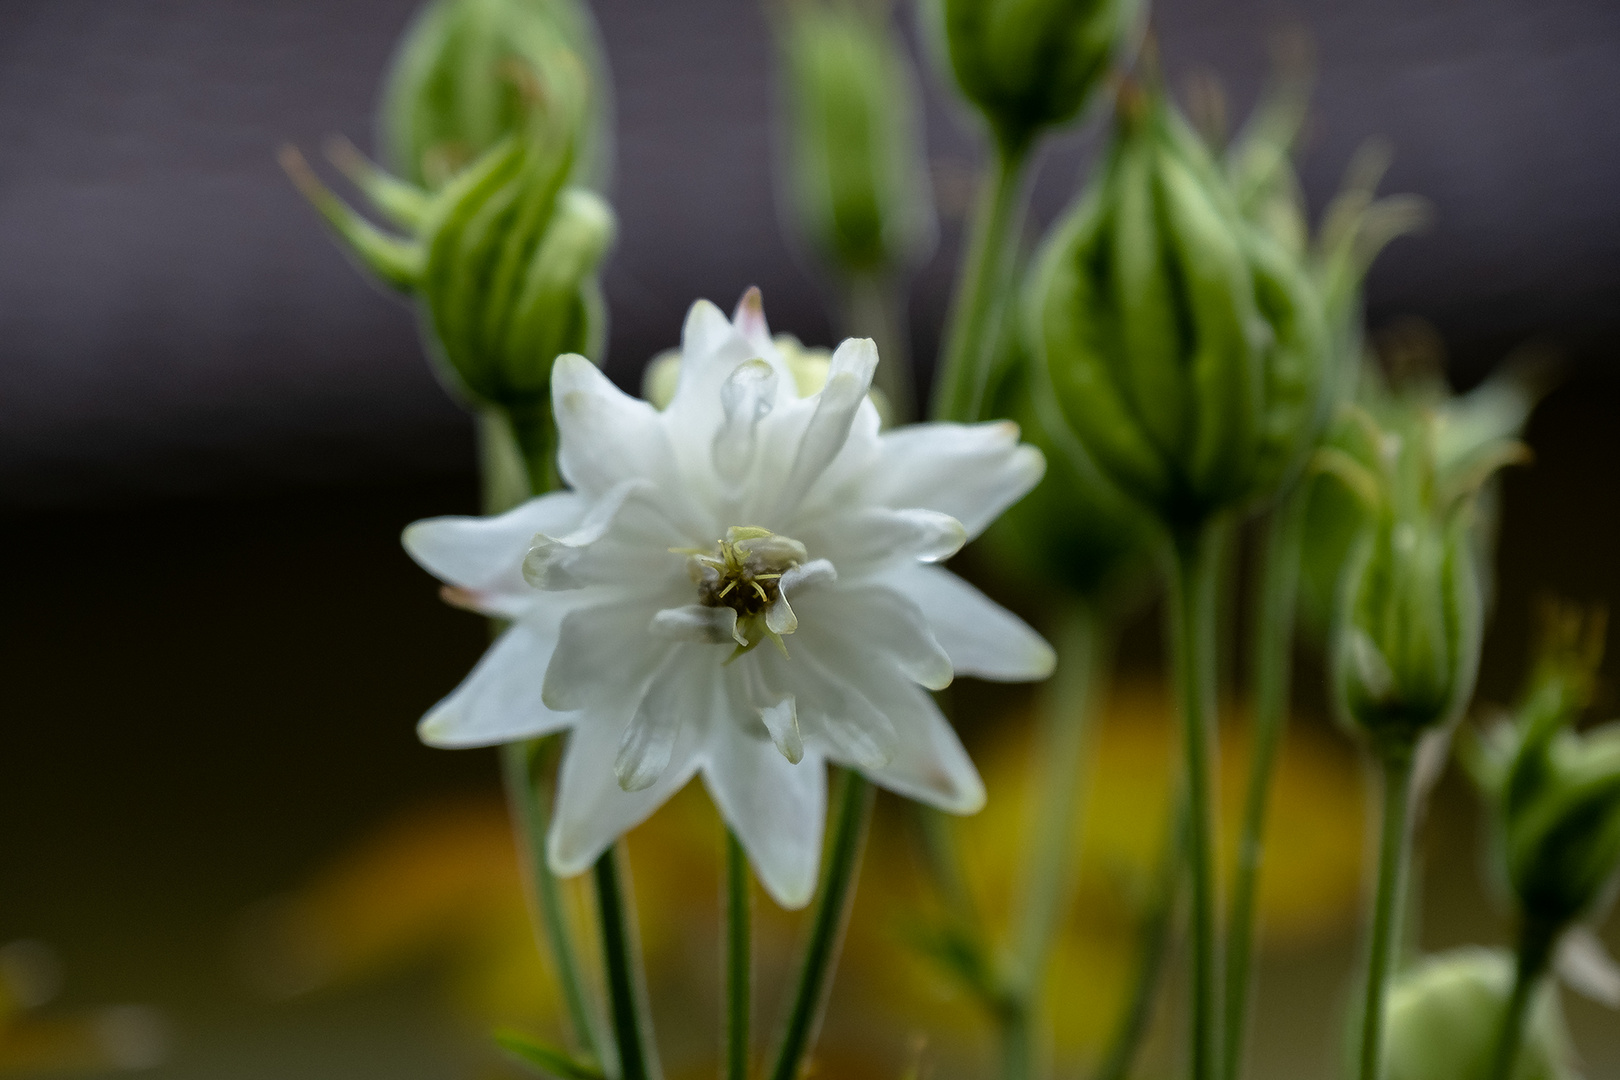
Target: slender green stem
[[1152, 943], [829, 916], [1196, 571], [739, 959], [621, 961], [1060, 745], [875, 307], [507, 481], [528, 802], [962, 378], [944, 865], [1273, 658], [1395, 765], [1536, 941]]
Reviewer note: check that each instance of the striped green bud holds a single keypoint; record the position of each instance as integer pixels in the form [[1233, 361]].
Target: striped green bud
[[1027, 65], [1184, 346], [1410, 610], [1075, 530], [502, 262], [470, 73], [1468, 430], [856, 179]]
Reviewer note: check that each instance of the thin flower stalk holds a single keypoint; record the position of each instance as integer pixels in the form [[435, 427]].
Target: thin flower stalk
[[981, 292], [738, 961], [507, 480], [1385, 934], [1194, 578], [528, 795], [1537, 942], [1273, 661], [828, 920], [633, 1040]]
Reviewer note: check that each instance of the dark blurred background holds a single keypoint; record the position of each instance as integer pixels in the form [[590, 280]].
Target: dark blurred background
[[212, 427]]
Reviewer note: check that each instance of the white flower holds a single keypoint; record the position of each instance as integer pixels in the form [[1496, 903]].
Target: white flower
[[740, 586]]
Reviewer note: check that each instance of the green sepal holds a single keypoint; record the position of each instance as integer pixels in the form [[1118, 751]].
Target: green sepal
[[395, 261], [547, 1059]]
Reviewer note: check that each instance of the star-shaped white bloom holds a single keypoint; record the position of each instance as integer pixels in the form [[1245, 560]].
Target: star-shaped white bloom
[[742, 586]]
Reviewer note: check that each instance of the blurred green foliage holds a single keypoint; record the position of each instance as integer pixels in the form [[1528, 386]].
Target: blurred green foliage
[[857, 178]]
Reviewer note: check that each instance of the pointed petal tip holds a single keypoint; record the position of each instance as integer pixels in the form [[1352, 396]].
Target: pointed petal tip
[[439, 729], [565, 858], [854, 356], [750, 311], [1043, 663]]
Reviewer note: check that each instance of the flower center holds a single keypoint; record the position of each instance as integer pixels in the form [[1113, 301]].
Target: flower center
[[744, 572]]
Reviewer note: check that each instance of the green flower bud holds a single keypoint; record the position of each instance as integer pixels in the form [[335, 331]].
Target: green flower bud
[[857, 182], [1030, 64], [1411, 602], [1184, 346], [1445, 1015], [1075, 530], [502, 262], [1469, 433], [469, 73], [1555, 793]]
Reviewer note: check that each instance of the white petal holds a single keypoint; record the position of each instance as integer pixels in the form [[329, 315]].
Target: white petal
[[782, 721], [884, 625], [681, 691], [603, 652], [592, 809], [746, 397], [699, 624], [849, 378], [928, 763], [982, 638], [484, 555], [780, 619], [499, 701], [876, 535], [970, 471], [605, 436], [778, 810], [552, 562], [838, 719]]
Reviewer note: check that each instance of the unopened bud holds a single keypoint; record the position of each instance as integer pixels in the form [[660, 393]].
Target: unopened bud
[[1408, 627], [1031, 64], [1183, 345], [502, 260], [857, 180], [470, 73]]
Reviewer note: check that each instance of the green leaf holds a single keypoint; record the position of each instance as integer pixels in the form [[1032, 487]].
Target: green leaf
[[549, 1060]]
